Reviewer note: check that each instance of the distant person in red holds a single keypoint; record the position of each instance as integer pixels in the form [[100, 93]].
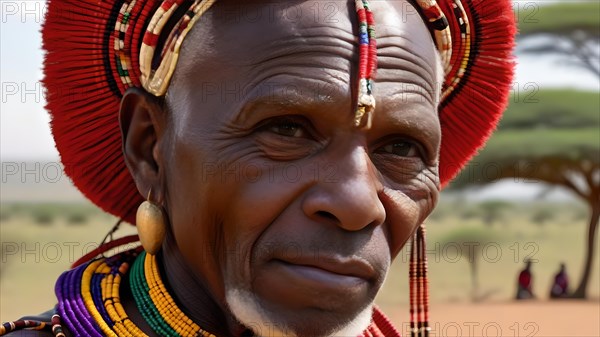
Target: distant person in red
[[524, 287], [561, 283]]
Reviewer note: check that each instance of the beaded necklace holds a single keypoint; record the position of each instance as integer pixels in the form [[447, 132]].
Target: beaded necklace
[[90, 304], [155, 303]]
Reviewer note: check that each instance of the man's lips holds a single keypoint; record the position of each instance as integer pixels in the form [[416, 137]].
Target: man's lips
[[326, 282], [338, 266]]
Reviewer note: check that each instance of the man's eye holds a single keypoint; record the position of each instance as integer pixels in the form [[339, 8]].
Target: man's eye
[[288, 129], [401, 148]]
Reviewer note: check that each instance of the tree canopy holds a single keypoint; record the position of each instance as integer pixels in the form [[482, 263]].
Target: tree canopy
[[560, 18], [572, 30], [548, 130], [552, 108]]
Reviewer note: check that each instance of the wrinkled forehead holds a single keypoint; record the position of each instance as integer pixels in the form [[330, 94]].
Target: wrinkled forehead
[[248, 33]]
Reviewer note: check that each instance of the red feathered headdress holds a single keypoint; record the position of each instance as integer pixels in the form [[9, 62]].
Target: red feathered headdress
[[97, 49]]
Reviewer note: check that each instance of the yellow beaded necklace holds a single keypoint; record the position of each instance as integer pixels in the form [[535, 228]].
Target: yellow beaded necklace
[[100, 286]]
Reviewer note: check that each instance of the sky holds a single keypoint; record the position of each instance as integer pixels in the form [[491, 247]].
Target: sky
[[24, 130]]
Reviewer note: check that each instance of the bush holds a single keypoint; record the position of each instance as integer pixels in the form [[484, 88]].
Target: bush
[[77, 219], [43, 218], [541, 216], [5, 215]]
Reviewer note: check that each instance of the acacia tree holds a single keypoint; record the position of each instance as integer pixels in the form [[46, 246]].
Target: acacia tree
[[552, 136], [570, 30]]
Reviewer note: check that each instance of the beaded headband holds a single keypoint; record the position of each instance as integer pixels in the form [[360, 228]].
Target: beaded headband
[[95, 50], [155, 79]]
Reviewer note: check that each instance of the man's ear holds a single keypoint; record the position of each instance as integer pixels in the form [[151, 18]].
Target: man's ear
[[143, 123]]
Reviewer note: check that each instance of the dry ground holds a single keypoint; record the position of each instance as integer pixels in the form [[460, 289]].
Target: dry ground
[[39, 251], [568, 318]]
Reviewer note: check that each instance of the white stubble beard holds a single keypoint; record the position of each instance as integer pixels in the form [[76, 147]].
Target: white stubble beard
[[246, 309]]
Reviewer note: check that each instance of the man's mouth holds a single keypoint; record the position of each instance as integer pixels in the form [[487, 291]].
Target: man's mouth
[[329, 273], [353, 267]]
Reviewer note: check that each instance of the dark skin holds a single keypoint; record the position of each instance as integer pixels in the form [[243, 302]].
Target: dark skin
[[269, 188], [236, 171]]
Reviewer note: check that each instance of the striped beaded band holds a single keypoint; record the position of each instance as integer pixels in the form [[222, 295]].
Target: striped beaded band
[[437, 21], [155, 79], [122, 59], [455, 53]]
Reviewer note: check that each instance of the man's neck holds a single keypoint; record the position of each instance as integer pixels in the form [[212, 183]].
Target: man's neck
[[192, 295]]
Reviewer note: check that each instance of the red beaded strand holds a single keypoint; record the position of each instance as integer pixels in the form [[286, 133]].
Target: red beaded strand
[[419, 278], [425, 283], [412, 274], [372, 60], [367, 62], [419, 286]]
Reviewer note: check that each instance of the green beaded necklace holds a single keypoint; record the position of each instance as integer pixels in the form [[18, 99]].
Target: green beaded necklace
[[156, 305]]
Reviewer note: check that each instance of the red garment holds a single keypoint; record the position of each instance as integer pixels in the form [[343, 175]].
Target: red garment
[[380, 327], [525, 279]]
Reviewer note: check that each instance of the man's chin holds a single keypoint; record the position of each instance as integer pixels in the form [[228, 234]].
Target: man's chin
[[275, 323]]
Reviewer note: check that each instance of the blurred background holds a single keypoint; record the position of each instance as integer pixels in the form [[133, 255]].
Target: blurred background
[[527, 204]]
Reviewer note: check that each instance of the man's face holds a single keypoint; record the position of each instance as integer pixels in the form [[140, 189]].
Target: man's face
[[289, 212]]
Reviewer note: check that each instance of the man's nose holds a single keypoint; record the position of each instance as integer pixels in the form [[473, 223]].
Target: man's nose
[[350, 199]]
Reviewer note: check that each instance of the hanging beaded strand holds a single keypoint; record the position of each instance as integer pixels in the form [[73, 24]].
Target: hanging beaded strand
[[412, 274], [423, 301], [419, 286], [367, 63], [425, 281]]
